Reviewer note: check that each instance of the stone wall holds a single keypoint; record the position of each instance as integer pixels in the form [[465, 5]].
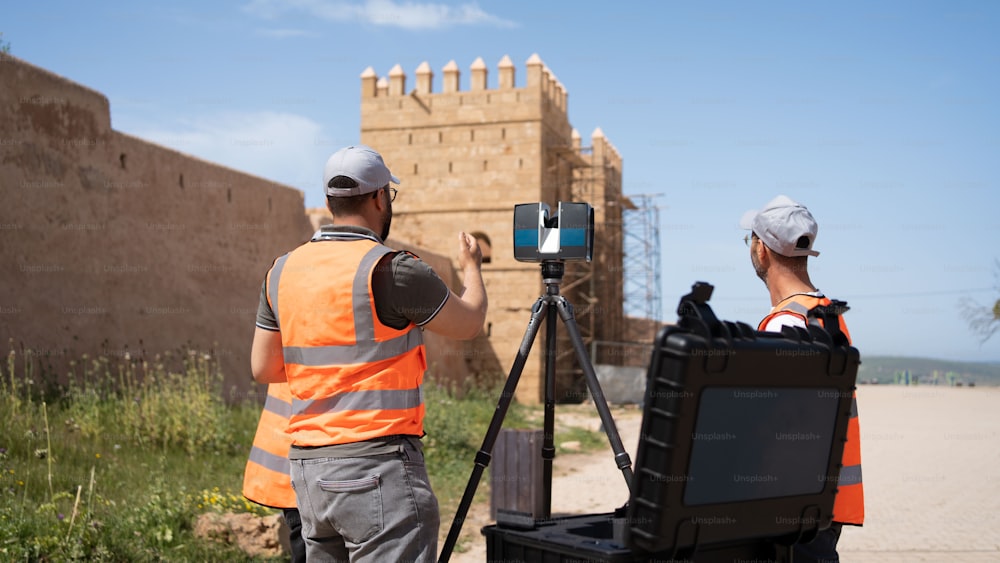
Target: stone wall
[[114, 245]]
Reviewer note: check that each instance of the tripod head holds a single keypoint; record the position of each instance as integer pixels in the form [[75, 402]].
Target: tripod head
[[552, 275]]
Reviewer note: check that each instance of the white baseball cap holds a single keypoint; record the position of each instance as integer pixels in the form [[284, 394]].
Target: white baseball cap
[[361, 164], [785, 226]]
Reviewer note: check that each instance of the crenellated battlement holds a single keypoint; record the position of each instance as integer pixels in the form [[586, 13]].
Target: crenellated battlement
[[538, 77], [600, 146]]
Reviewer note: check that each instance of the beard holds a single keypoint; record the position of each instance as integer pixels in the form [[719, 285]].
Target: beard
[[757, 268], [386, 222]]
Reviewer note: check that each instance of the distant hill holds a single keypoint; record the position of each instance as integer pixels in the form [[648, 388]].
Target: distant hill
[[883, 369]]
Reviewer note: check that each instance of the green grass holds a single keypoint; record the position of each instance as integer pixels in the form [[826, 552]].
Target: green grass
[[455, 430], [117, 463]]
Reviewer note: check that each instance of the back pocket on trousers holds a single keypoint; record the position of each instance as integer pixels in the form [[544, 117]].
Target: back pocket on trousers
[[356, 507]]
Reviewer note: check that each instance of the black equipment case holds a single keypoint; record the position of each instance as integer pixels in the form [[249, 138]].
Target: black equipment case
[[739, 451]]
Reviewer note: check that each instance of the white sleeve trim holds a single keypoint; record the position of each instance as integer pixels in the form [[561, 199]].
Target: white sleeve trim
[[436, 311]]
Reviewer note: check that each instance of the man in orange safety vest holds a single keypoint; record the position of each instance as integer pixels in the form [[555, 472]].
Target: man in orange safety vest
[[341, 321], [781, 240]]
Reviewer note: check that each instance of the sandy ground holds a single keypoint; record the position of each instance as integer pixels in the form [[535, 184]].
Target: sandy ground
[[931, 458]]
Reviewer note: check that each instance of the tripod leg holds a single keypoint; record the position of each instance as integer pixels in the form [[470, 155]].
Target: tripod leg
[[549, 424], [484, 454], [621, 456]]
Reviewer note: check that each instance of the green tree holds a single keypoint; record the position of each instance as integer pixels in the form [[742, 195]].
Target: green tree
[[4, 45], [984, 320]]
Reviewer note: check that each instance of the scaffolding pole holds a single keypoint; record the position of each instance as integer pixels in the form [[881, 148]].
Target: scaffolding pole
[[642, 259]]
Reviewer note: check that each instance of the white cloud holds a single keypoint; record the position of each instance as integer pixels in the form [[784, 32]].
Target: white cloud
[[404, 14], [283, 147]]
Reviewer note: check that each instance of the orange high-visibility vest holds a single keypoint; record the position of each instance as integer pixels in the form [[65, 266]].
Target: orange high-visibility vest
[[849, 504], [266, 479], [351, 377]]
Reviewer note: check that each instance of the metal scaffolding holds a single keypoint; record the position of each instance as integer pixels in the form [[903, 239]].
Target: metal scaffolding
[[642, 258]]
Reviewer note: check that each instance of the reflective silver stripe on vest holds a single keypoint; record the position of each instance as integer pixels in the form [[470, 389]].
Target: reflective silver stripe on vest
[[362, 400], [849, 475], [800, 309], [854, 407], [278, 407], [364, 309], [795, 307], [270, 461], [361, 353], [272, 286]]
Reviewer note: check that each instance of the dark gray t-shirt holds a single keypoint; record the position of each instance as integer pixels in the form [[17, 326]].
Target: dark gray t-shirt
[[405, 288]]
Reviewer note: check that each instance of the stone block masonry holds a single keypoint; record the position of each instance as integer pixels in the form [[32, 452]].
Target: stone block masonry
[[466, 157]]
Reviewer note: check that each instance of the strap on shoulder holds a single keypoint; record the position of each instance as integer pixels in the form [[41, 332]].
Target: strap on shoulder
[[829, 315]]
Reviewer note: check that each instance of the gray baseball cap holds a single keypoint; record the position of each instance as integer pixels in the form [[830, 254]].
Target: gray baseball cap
[[784, 225], [361, 164]]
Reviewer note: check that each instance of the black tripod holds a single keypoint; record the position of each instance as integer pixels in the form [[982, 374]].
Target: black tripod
[[546, 307]]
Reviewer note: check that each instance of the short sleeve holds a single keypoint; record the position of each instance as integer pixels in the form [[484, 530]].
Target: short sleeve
[[408, 291], [265, 316]]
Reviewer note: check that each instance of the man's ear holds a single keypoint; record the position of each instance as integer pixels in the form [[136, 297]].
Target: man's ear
[[380, 200], [763, 253]]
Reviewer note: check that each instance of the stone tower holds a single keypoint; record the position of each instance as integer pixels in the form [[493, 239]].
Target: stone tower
[[465, 158]]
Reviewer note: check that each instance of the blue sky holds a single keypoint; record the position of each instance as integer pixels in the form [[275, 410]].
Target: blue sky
[[882, 117]]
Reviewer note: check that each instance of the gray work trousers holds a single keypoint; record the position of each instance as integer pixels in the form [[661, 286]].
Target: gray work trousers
[[373, 508]]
